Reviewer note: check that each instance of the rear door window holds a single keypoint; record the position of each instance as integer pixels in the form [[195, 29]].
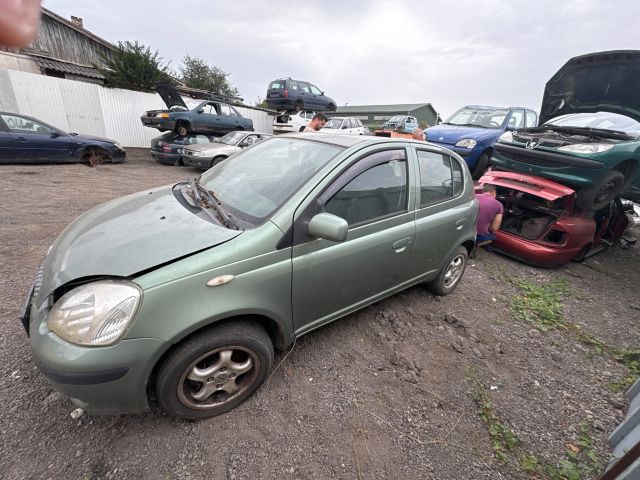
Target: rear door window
[[440, 177]]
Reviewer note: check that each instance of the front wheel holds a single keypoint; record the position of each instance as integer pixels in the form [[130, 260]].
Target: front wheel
[[182, 129], [449, 277], [214, 371], [216, 161], [602, 194], [298, 106], [480, 166]]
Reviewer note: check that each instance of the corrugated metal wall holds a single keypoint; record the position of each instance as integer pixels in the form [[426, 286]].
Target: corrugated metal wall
[[91, 109], [627, 435]]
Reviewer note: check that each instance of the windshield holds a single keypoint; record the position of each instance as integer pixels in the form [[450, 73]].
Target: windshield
[[479, 117], [397, 118], [255, 183], [232, 138], [601, 120], [333, 123]]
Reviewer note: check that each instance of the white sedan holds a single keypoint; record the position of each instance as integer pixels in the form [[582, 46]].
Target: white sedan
[[292, 122], [344, 126]]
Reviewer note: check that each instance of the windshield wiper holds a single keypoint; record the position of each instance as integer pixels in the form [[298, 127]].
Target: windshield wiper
[[214, 201]]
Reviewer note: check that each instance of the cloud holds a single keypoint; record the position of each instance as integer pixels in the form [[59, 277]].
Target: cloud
[[446, 53]]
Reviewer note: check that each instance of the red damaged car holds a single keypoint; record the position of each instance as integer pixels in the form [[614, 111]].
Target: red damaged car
[[542, 226]]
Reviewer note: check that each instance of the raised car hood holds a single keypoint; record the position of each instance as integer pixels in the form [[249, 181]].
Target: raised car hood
[[452, 134], [170, 96], [126, 236], [533, 185], [602, 81]]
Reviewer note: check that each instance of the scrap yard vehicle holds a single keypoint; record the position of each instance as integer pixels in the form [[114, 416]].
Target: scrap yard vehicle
[[292, 122], [296, 95], [179, 295], [589, 138], [401, 123], [216, 115], [207, 155]]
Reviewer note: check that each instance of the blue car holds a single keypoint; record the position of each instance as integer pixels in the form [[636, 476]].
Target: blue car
[[401, 123], [28, 140], [472, 131]]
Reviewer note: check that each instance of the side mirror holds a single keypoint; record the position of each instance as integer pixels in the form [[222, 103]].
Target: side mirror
[[344, 127], [329, 227], [321, 93], [200, 110], [54, 134]]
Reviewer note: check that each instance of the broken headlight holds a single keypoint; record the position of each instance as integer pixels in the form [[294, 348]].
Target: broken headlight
[[586, 147]]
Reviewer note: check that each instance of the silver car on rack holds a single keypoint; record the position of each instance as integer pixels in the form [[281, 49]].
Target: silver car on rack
[[207, 155]]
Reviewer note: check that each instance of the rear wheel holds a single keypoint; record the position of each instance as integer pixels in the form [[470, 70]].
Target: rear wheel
[[449, 277], [298, 105], [480, 166], [600, 195], [214, 371]]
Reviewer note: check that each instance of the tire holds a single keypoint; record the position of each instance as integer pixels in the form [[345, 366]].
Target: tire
[[331, 107], [238, 357], [600, 195], [182, 129], [217, 160], [449, 277], [298, 106], [95, 157], [480, 166]]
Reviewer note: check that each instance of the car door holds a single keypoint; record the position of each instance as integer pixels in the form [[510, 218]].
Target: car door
[[441, 215], [331, 279], [8, 151], [37, 142], [207, 118], [319, 100]]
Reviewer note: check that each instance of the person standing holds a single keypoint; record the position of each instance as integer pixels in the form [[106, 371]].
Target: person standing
[[316, 123], [489, 216]]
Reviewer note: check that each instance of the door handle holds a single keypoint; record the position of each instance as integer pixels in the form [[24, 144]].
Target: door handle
[[460, 223], [22, 139], [401, 245]]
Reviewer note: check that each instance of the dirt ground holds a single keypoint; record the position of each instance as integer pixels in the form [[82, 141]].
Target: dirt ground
[[414, 387]]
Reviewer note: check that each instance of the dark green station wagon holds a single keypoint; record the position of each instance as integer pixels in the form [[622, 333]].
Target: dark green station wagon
[[182, 292]]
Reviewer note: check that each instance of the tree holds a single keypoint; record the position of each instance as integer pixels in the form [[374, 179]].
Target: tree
[[196, 73], [135, 67]]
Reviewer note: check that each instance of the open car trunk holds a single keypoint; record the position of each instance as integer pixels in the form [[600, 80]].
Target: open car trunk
[[531, 204]]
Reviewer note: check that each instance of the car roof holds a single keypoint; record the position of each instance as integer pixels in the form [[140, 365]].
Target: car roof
[[349, 140]]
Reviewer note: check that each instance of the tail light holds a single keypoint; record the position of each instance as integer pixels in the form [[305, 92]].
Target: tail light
[[166, 148], [286, 93]]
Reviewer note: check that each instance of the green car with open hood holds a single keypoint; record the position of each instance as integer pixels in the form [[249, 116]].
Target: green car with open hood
[[589, 137], [182, 292]]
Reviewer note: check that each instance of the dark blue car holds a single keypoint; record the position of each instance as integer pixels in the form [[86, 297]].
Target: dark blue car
[[288, 94], [472, 131], [28, 140], [167, 148]]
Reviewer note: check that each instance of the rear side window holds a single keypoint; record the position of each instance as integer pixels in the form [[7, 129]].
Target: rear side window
[[379, 192], [276, 85], [441, 177]]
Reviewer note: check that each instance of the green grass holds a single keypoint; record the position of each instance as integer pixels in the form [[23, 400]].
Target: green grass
[[540, 305]]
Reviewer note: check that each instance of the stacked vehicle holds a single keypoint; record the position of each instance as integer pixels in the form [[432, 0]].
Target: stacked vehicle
[[587, 151]]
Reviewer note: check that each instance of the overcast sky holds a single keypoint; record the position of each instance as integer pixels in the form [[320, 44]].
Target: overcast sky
[[375, 52]]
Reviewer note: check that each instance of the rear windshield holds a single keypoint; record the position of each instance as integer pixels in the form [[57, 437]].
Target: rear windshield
[[277, 85]]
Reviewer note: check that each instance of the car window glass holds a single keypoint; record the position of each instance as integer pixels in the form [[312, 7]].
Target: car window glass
[[24, 125], [293, 86], [304, 87], [457, 178], [276, 85], [226, 110], [517, 119], [348, 122], [436, 181], [315, 90], [531, 119], [359, 123], [377, 192], [209, 108], [201, 139]]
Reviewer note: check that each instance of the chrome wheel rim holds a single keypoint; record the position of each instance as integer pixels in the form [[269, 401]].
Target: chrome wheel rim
[[218, 377], [454, 271]]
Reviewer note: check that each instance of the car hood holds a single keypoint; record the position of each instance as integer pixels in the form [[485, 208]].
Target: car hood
[[126, 236], [170, 96], [90, 138], [540, 187], [602, 81], [452, 134], [212, 147]]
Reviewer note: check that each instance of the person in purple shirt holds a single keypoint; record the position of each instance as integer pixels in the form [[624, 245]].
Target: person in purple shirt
[[489, 216]]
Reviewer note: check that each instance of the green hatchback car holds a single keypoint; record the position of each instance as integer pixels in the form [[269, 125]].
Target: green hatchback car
[[183, 292], [590, 133]]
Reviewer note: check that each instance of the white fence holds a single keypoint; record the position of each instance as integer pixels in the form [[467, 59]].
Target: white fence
[[91, 109]]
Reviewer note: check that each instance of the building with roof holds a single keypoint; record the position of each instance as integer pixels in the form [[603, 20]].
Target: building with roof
[[62, 48], [373, 116]]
